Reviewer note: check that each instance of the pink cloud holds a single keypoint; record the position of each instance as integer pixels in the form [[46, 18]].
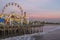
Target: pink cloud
[[46, 15]]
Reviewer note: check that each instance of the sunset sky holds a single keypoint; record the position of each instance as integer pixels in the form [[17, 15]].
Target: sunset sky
[[37, 8]]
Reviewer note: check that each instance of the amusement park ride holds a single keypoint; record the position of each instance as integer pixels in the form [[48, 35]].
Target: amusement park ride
[[9, 18], [15, 24]]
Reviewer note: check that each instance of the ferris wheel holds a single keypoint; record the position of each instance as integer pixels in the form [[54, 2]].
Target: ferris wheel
[[13, 4], [16, 5]]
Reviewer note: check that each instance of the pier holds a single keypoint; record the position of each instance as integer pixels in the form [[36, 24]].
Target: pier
[[15, 24], [10, 31]]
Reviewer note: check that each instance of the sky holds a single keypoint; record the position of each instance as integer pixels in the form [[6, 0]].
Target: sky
[[37, 8]]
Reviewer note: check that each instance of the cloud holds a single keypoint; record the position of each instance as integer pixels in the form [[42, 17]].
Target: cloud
[[41, 1], [46, 14], [36, 5]]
